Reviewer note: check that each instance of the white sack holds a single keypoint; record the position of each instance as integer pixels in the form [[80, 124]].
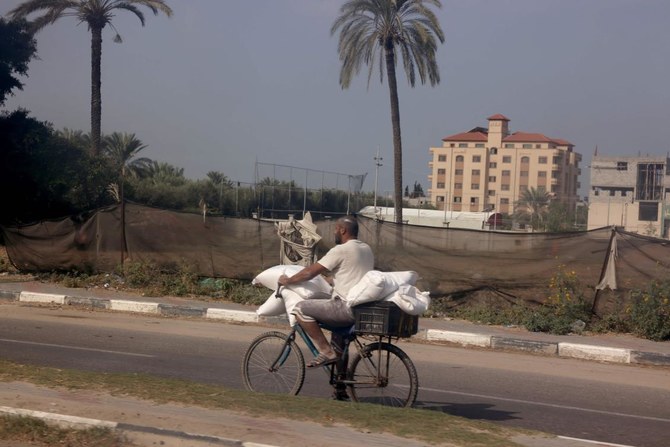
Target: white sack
[[375, 285], [400, 278], [393, 280], [272, 307], [316, 287], [369, 288], [410, 299]]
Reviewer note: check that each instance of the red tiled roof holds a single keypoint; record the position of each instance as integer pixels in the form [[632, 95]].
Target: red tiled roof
[[497, 116], [563, 142], [527, 137], [467, 136]]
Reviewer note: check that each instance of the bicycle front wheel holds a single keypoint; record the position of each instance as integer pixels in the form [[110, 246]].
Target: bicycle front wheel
[[273, 364], [382, 373]]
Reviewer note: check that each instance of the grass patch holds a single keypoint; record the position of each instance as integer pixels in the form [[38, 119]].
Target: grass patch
[[432, 427], [38, 433]]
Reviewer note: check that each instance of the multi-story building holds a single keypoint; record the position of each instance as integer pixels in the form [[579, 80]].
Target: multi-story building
[[630, 192], [489, 168]]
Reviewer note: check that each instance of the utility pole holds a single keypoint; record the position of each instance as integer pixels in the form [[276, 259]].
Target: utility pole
[[378, 163]]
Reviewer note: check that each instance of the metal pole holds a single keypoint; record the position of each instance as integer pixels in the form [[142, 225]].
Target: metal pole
[[378, 163]]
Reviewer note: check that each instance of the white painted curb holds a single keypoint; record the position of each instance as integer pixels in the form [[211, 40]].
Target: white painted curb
[[61, 420], [133, 306], [590, 352], [462, 338], [34, 297], [234, 315]]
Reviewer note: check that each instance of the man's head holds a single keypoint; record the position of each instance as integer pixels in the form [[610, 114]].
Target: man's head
[[346, 228]]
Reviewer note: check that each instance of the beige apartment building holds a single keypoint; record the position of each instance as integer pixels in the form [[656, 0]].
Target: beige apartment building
[[489, 168], [630, 192]]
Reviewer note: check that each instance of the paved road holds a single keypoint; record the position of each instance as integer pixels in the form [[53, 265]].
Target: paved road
[[621, 404]]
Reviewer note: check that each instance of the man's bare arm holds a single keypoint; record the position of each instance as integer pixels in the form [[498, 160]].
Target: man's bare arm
[[303, 275]]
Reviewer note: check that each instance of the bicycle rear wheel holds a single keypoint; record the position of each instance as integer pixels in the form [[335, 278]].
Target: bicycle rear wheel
[[272, 364], [382, 373]]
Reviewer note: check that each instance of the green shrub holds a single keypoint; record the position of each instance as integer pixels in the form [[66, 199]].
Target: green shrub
[[565, 310], [650, 311]]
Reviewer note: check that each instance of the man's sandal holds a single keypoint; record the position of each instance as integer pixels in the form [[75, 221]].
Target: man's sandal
[[322, 360]]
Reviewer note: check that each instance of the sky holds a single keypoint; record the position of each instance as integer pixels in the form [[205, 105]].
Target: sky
[[223, 84]]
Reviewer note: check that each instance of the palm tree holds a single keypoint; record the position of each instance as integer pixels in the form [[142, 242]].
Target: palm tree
[[374, 32], [165, 173], [122, 150], [97, 14], [533, 206], [75, 137]]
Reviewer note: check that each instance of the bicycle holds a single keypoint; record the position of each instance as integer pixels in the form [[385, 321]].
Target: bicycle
[[379, 372]]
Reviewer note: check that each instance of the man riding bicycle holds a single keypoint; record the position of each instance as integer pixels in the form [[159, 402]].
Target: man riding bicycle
[[347, 262]]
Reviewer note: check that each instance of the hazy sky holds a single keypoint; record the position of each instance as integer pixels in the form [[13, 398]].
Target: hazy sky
[[224, 83]]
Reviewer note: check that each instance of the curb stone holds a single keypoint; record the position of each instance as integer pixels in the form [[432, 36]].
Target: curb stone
[[559, 349], [130, 430]]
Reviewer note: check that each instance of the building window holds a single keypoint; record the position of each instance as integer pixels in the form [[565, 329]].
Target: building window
[[527, 146], [504, 187], [475, 172], [621, 166], [452, 145], [493, 151], [439, 199], [507, 159], [523, 174], [492, 192], [462, 144], [476, 158], [509, 145], [554, 188], [556, 160], [504, 201], [440, 186], [649, 181], [596, 191], [458, 172], [441, 158], [538, 146], [474, 200], [648, 211], [541, 189], [612, 192], [492, 178], [457, 199], [479, 144], [542, 174], [474, 186], [441, 171], [459, 159], [555, 174], [525, 160], [493, 165], [458, 185], [505, 173], [542, 160]]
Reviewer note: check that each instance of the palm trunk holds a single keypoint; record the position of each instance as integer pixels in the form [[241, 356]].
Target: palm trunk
[[397, 142], [96, 101]]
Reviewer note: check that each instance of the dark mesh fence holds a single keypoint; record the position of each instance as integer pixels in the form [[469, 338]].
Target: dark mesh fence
[[214, 247], [449, 261]]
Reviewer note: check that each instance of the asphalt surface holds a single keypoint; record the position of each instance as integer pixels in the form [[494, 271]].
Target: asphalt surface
[[621, 349]]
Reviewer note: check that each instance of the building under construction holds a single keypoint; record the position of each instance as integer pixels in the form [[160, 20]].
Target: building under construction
[[630, 192]]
